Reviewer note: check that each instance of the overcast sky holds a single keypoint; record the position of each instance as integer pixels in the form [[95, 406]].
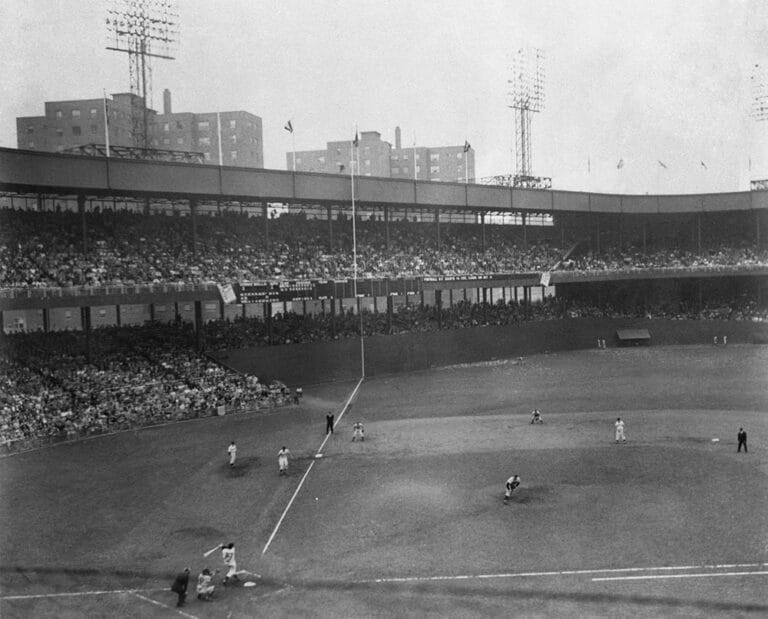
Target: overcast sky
[[640, 81]]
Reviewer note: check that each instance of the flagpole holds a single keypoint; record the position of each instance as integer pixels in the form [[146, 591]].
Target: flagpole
[[106, 123], [218, 126], [293, 147], [466, 168], [415, 176]]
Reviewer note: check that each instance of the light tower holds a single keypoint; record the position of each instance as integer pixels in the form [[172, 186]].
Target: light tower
[[144, 29], [759, 112], [525, 96]]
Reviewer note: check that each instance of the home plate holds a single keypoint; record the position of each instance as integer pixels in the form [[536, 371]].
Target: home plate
[[318, 455], [250, 583], [715, 440]]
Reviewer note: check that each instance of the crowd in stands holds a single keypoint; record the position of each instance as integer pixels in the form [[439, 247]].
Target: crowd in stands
[[66, 384], [126, 248], [615, 259], [47, 248], [293, 328]]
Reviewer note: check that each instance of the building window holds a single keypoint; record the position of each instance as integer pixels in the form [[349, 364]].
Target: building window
[[405, 170], [233, 124], [233, 155], [367, 163], [458, 155], [207, 156], [405, 157], [321, 159], [179, 141], [94, 129], [417, 157], [434, 169], [395, 170], [58, 114], [166, 127], [202, 125], [30, 129], [367, 149], [204, 141], [434, 157], [60, 132], [75, 113], [298, 159], [166, 141], [30, 145], [60, 148], [93, 111], [418, 169], [234, 139]]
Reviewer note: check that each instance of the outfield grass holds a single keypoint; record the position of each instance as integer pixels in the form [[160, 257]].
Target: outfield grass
[[421, 499]]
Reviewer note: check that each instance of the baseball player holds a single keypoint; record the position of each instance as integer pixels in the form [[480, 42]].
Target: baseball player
[[228, 556], [232, 451], [358, 431], [204, 586], [282, 460], [620, 430], [536, 416], [512, 483]]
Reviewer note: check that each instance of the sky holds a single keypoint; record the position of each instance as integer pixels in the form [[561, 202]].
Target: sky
[[646, 83]]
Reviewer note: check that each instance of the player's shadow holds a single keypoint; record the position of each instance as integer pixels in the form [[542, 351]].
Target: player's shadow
[[242, 467], [527, 495]]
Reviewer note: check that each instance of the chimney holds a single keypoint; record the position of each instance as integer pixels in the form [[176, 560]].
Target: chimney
[[397, 137], [167, 101]]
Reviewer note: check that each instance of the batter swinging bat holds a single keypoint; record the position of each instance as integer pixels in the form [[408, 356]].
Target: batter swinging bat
[[212, 550]]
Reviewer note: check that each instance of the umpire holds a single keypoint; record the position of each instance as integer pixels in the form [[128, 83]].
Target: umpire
[[179, 586], [742, 436]]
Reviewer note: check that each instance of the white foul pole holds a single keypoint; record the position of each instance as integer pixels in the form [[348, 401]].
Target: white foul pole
[[218, 126], [106, 123], [355, 157]]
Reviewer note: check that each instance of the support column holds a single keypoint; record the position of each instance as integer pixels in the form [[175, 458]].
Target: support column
[[386, 227], [598, 235], [757, 229], [450, 297], [151, 312], [439, 308], [199, 338], [267, 308], [645, 247], [482, 231], [329, 215], [525, 230], [47, 318], [118, 316], [85, 318], [83, 225], [390, 312], [265, 217], [333, 317], [437, 226], [193, 217], [698, 233]]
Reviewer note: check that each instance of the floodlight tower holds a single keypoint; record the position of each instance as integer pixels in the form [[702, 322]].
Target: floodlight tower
[[525, 96], [144, 29], [759, 112]]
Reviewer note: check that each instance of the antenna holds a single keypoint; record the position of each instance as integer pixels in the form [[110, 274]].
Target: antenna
[[144, 29]]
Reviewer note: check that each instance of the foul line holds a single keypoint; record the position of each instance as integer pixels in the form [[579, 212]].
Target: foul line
[[311, 464], [659, 576], [35, 596], [161, 605], [564, 573]]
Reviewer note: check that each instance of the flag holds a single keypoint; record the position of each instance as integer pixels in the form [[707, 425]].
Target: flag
[[289, 127], [703, 165], [467, 146], [356, 141], [662, 164], [341, 168], [620, 164], [589, 166]]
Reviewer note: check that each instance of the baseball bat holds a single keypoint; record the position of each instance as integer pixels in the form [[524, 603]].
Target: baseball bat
[[212, 550]]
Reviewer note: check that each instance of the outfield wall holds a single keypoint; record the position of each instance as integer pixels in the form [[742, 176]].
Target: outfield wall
[[304, 364]]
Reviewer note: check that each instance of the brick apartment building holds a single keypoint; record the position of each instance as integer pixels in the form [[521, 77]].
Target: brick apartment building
[[68, 124], [379, 158]]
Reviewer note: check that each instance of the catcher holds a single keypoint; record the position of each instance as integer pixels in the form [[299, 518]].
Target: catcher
[[512, 483]]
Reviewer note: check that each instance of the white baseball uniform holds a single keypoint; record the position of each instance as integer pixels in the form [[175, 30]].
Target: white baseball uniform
[[620, 431]]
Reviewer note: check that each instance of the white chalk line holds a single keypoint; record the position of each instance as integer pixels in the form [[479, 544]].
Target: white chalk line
[[156, 603], [34, 596], [700, 575], [563, 573], [311, 464]]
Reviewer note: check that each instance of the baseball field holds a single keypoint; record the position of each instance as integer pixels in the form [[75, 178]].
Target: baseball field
[[412, 522]]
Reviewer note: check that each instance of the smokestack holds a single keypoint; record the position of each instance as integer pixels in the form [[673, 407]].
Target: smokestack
[[166, 101], [397, 137]]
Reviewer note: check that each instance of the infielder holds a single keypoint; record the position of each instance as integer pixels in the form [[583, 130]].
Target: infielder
[[536, 416], [228, 556], [620, 430], [282, 460], [232, 451], [512, 483], [358, 431]]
